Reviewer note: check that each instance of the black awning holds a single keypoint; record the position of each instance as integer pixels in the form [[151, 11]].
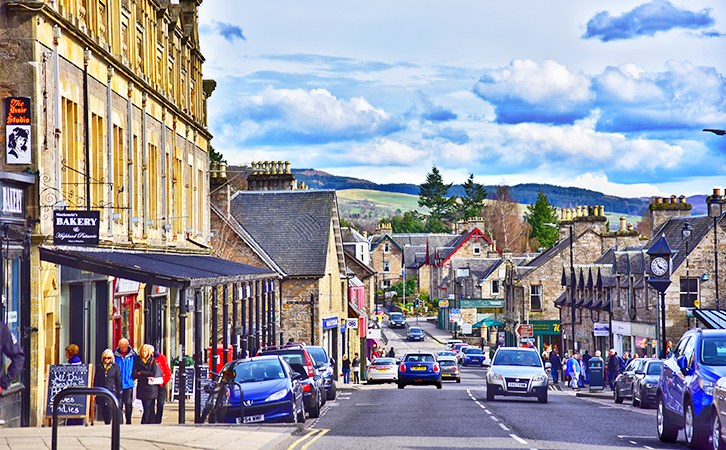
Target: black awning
[[711, 318], [561, 299], [172, 270]]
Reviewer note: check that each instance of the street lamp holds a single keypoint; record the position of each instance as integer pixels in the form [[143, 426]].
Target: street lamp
[[572, 288], [686, 231], [715, 209]]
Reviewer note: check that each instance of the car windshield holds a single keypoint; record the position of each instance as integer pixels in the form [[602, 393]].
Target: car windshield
[[655, 368], [446, 354], [473, 351], [414, 330], [419, 358], [249, 371], [396, 316], [448, 363], [517, 358], [713, 351], [384, 362], [318, 354], [460, 346]]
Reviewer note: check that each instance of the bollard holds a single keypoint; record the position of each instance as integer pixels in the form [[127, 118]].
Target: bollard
[[98, 391]]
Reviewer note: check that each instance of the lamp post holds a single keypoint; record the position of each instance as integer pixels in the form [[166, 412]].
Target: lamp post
[[715, 209], [686, 231], [572, 287]]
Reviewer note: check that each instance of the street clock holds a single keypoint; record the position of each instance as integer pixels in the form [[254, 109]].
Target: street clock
[[661, 263], [659, 266]]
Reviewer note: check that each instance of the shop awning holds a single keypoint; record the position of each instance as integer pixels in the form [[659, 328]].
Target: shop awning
[[711, 318], [174, 270], [488, 322], [561, 299]]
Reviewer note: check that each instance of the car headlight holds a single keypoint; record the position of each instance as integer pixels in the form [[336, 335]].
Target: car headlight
[[651, 385], [706, 386], [496, 376], [279, 395], [540, 377]]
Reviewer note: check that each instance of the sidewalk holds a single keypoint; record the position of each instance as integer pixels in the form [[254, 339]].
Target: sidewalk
[[440, 336]]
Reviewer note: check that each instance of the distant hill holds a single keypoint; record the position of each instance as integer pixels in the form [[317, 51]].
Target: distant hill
[[562, 197]]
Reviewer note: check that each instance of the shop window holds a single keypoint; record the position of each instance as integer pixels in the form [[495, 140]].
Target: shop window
[[12, 305], [535, 297], [495, 287], [689, 292]]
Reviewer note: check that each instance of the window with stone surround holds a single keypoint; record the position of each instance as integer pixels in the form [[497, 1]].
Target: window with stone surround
[[495, 287], [477, 249], [386, 247], [689, 294], [386, 284], [387, 266], [535, 297]]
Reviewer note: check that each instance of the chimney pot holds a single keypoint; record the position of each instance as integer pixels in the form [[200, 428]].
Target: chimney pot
[[287, 166], [602, 210], [563, 214], [622, 224], [673, 199], [630, 227], [579, 211], [717, 192], [682, 199], [657, 200]]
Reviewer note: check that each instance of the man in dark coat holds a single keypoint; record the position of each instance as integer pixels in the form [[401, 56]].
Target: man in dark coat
[[556, 364], [613, 367], [10, 348], [586, 359], [108, 375]]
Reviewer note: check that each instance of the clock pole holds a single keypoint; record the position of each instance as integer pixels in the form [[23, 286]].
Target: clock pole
[[660, 278]]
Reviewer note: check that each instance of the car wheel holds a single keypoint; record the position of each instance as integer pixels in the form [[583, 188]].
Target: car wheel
[[315, 412], [490, 393], [438, 386], [716, 440], [458, 380], [694, 439], [401, 385], [618, 398], [333, 390], [301, 414], [542, 398], [636, 402], [667, 432]]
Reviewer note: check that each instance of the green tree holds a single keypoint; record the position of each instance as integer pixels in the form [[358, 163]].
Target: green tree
[[410, 288], [473, 204], [433, 194], [537, 216], [408, 222], [215, 155]]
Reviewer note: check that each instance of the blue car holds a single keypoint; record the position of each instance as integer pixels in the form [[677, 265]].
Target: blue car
[[685, 387], [473, 356], [419, 368], [326, 366], [271, 389], [415, 334]]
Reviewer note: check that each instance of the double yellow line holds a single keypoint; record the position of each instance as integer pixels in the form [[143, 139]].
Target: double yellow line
[[314, 434]]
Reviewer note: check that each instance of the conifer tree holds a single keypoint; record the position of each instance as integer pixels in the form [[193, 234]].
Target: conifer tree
[[537, 216]]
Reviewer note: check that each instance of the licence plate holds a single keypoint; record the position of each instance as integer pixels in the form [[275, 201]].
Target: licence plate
[[253, 419], [381, 370], [517, 385], [418, 368]]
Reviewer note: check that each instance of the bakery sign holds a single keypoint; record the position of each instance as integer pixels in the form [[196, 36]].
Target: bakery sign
[[76, 227]]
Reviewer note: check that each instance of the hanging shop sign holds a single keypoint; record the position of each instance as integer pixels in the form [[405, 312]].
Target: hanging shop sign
[[76, 227], [601, 329], [330, 323], [17, 130], [351, 323]]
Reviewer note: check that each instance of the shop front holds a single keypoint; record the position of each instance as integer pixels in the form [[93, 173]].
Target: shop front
[[546, 334], [634, 337], [330, 339]]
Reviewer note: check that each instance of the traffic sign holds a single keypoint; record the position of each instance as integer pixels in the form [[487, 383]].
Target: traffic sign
[[455, 311], [443, 303], [524, 330]]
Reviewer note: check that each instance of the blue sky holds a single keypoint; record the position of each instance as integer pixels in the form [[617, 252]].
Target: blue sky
[[610, 96]]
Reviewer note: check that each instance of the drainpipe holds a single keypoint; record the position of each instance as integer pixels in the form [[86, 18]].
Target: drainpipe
[[144, 165], [130, 159], [109, 146]]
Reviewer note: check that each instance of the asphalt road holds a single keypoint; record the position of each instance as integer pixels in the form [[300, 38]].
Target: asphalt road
[[459, 416]]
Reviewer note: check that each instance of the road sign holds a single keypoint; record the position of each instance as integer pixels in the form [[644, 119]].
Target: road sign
[[443, 303], [455, 311], [524, 330]]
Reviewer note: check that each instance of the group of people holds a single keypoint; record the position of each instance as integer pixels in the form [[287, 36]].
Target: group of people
[[123, 369], [355, 363]]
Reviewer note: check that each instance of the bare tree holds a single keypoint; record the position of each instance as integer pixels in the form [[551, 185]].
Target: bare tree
[[506, 226]]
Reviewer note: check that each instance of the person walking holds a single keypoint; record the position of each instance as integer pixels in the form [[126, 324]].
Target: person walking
[[556, 365], [356, 369], [10, 348], [146, 372], [573, 369], [124, 356], [163, 364], [585, 360], [108, 376], [346, 370], [613, 367], [391, 353]]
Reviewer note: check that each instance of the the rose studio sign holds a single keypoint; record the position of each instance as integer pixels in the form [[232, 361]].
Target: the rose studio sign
[[76, 227]]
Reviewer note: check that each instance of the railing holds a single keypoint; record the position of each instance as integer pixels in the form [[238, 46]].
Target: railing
[[98, 391]]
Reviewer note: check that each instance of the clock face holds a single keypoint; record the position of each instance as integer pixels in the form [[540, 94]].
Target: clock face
[[659, 266]]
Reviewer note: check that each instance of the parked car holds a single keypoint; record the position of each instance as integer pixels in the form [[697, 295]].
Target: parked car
[[326, 366], [449, 369], [419, 368], [382, 370], [686, 387], [451, 342], [517, 371], [718, 412], [472, 356], [272, 391], [396, 320], [645, 385], [623, 385], [415, 334], [301, 361], [445, 354]]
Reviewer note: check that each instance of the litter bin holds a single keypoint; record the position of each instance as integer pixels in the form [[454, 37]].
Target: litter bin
[[597, 374]]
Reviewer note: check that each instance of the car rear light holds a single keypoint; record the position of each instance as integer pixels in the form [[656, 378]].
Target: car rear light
[[403, 368], [306, 388], [311, 371], [436, 367]]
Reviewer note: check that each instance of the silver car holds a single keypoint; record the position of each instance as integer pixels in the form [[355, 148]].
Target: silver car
[[383, 370], [518, 372]]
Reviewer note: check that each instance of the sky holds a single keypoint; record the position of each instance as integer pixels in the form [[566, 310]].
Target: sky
[[604, 95]]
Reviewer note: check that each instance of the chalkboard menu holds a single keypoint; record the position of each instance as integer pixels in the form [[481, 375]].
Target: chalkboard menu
[[188, 380], [65, 376]]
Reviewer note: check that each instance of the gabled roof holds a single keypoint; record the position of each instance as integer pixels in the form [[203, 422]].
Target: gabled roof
[[444, 253], [382, 238], [293, 227], [358, 267], [702, 225], [479, 268]]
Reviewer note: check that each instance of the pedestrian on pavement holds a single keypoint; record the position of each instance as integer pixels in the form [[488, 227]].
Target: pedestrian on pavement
[[356, 369], [556, 365], [72, 354], [346, 370], [669, 349], [10, 349], [291, 341], [585, 360], [624, 361], [163, 364], [124, 355], [146, 371], [108, 376], [573, 369], [612, 367], [391, 353]]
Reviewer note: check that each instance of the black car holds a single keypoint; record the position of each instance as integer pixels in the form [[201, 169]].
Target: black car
[[623, 386], [645, 386], [301, 361], [326, 366], [396, 320]]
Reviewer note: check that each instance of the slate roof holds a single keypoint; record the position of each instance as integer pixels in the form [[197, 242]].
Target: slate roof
[[293, 227], [479, 268], [672, 230]]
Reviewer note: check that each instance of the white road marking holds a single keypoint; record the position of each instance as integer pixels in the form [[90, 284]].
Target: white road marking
[[504, 427], [650, 448], [518, 439], [494, 418], [633, 442], [488, 412]]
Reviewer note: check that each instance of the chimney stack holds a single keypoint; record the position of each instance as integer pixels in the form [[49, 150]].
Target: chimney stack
[[663, 209]]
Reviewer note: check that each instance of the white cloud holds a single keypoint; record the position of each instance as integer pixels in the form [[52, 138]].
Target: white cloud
[[384, 152], [600, 183], [404, 177]]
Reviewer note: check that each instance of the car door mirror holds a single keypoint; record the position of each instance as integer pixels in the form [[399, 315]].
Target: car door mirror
[[683, 364], [639, 373]]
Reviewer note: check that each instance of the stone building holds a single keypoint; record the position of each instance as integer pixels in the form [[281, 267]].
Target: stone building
[[109, 100], [386, 257]]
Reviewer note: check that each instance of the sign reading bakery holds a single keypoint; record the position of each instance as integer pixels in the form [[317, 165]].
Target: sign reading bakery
[[17, 130], [76, 227]]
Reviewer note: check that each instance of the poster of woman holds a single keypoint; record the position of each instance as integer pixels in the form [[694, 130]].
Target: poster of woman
[[18, 144]]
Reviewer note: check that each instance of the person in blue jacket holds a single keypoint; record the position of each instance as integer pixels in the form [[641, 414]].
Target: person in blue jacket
[[124, 355]]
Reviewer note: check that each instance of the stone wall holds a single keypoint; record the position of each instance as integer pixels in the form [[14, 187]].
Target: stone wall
[[394, 255]]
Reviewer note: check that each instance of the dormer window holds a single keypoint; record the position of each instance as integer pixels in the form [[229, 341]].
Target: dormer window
[[386, 247], [477, 249], [495, 287]]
